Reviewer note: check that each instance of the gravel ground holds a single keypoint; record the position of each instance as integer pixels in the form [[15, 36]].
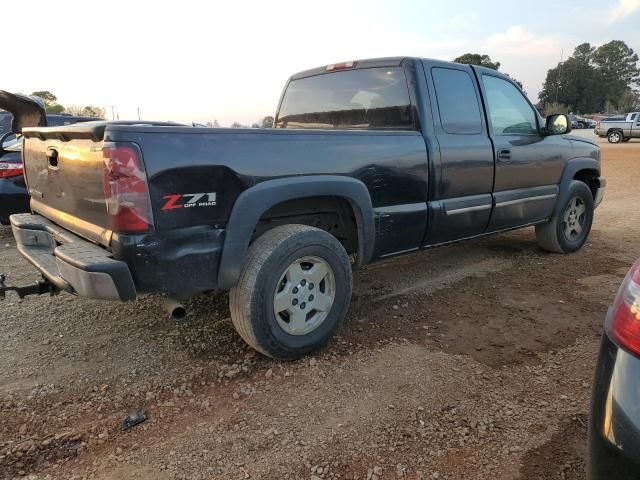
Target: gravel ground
[[472, 361]]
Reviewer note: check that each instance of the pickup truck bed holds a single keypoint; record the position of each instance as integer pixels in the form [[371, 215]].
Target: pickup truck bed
[[368, 159]]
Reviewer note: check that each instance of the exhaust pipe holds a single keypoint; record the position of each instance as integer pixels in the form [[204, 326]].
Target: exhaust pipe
[[176, 310]]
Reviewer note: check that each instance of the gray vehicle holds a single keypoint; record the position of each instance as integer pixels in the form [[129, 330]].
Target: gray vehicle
[[619, 129]]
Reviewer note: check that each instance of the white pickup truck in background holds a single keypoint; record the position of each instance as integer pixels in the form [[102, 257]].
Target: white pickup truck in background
[[620, 128]]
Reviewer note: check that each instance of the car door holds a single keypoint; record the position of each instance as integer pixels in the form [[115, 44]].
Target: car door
[[462, 162], [528, 163], [635, 126]]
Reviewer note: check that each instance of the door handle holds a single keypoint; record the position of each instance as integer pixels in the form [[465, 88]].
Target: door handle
[[504, 154], [52, 158]]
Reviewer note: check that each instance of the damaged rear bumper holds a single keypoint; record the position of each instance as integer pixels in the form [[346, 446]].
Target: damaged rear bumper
[[179, 263]]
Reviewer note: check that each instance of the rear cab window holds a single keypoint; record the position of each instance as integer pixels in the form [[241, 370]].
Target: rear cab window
[[457, 101], [368, 99]]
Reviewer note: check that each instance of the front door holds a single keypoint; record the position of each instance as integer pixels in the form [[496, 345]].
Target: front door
[[528, 163]]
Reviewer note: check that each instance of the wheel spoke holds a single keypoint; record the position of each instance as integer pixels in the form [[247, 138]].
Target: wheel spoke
[[317, 273], [580, 209], [568, 230], [577, 228], [282, 301], [295, 273], [574, 203], [322, 302], [297, 319]]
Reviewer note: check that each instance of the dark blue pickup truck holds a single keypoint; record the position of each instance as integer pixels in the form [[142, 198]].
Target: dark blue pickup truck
[[367, 160]]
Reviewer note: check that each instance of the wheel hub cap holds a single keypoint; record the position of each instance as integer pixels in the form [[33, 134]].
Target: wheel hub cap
[[304, 295], [574, 218]]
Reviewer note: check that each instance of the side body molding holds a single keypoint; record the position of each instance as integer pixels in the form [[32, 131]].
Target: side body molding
[[255, 201], [573, 166]]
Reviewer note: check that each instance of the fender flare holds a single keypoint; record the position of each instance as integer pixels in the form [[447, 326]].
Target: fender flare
[[573, 166], [255, 201]]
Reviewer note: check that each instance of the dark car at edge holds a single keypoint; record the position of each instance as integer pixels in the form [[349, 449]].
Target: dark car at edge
[[614, 424]]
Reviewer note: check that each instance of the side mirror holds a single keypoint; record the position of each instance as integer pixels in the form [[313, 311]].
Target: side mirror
[[557, 124]]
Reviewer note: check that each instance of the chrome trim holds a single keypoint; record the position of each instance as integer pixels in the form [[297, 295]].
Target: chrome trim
[[475, 208], [526, 199]]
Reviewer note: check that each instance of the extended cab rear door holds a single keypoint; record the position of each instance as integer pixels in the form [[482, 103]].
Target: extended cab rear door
[[528, 163], [462, 165]]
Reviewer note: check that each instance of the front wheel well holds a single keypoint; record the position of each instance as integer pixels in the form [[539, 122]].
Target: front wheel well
[[332, 214], [590, 177]]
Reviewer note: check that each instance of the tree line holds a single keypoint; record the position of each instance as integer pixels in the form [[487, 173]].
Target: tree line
[[52, 106], [604, 79]]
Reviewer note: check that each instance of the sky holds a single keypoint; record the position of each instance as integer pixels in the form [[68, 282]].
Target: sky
[[228, 61]]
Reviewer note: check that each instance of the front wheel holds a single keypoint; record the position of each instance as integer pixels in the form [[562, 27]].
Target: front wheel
[[293, 292], [615, 137], [568, 229]]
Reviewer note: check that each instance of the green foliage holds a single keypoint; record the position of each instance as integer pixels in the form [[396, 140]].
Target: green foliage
[[551, 108], [483, 61], [86, 111], [47, 97], [593, 78], [54, 108], [629, 101], [477, 59], [50, 101]]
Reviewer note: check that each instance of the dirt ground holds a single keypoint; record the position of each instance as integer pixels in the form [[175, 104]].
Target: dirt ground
[[472, 361]]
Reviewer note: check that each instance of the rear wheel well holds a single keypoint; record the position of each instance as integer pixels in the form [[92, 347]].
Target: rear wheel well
[[590, 177], [334, 215], [614, 129]]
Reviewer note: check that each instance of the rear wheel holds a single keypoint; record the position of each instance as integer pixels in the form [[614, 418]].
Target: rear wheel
[[293, 292], [569, 228], [615, 137]]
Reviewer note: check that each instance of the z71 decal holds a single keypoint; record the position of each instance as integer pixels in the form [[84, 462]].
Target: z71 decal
[[187, 200]]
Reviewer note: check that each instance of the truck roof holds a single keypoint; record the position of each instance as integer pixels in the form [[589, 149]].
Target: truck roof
[[382, 62]]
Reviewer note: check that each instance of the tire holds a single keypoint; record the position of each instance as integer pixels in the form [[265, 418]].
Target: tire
[[626, 139], [275, 265], [560, 234], [615, 136]]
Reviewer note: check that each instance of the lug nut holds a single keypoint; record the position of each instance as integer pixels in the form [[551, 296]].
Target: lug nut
[[294, 302], [310, 286], [303, 305], [311, 298], [303, 282], [295, 290]]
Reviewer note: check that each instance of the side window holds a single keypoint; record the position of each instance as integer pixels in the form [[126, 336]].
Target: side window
[[457, 101], [509, 112], [633, 116]]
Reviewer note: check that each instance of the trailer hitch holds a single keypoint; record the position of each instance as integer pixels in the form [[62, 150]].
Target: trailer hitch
[[39, 288]]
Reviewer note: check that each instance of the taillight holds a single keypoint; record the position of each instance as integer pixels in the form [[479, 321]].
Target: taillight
[[624, 324], [125, 188], [9, 169]]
